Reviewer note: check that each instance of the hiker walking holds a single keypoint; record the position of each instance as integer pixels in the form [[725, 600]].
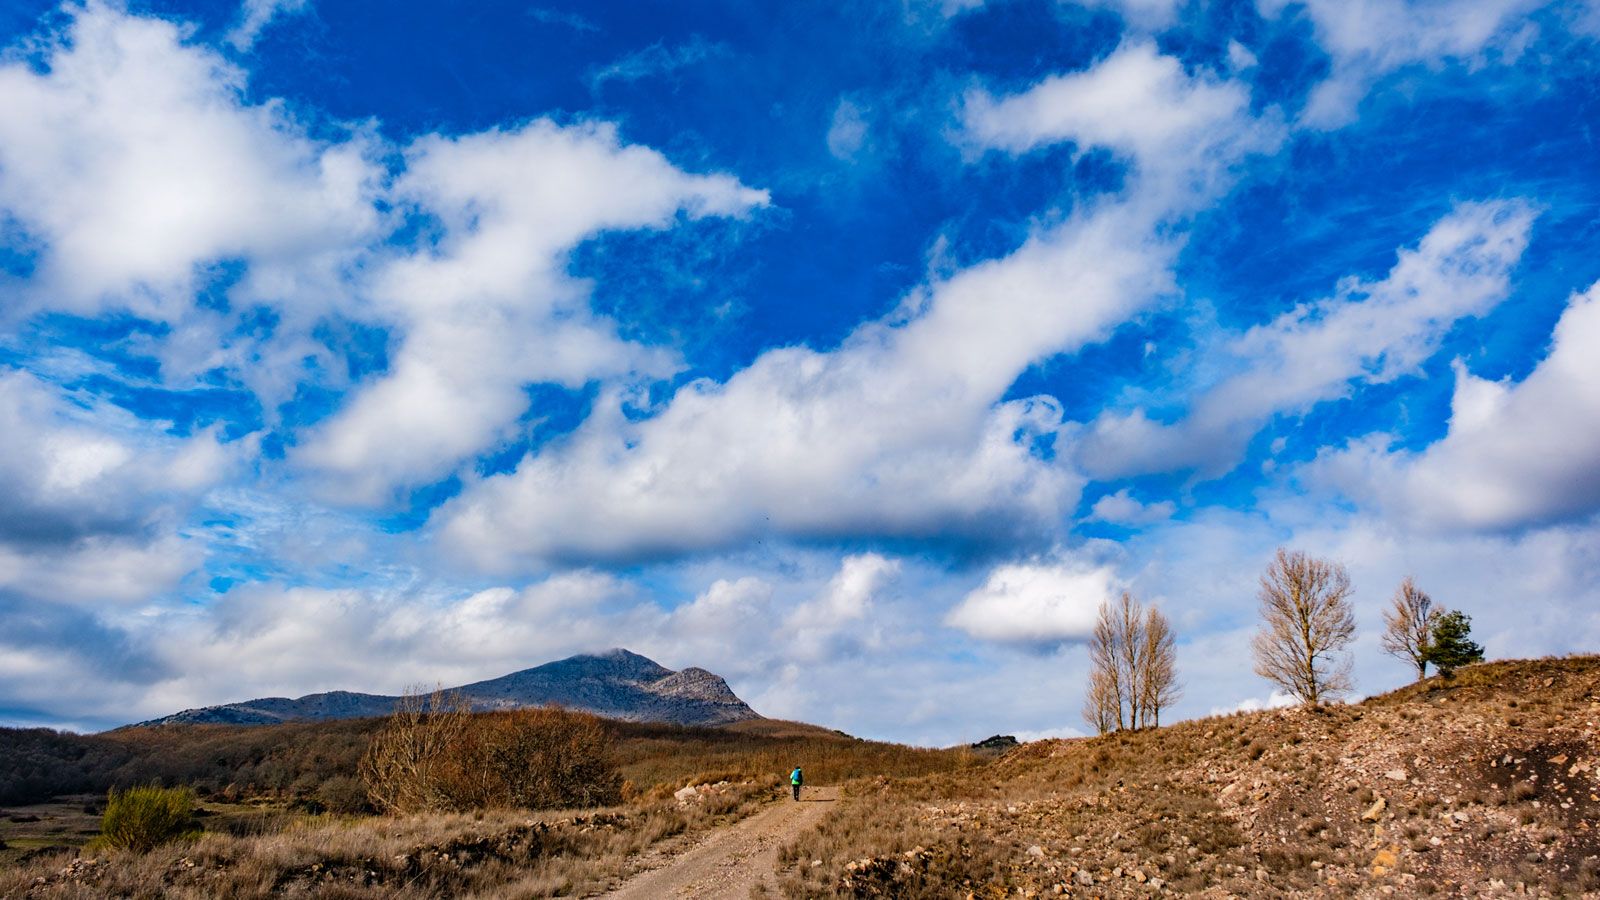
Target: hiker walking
[[796, 778]]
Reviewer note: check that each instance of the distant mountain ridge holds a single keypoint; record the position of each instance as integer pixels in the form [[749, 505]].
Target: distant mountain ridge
[[618, 684]]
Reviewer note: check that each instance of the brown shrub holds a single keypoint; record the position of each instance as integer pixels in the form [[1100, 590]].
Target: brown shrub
[[436, 755], [535, 759]]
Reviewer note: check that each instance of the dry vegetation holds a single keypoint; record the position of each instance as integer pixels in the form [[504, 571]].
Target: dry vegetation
[[436, 755], [1482, 785], [280, 848]]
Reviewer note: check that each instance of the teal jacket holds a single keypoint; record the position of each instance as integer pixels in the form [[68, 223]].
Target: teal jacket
[[796, 778]]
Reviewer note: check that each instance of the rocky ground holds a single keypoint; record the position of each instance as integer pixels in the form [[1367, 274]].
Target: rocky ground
[[1485, 785]]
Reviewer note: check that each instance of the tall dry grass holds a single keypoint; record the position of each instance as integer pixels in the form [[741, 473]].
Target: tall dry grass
[[495, 852]]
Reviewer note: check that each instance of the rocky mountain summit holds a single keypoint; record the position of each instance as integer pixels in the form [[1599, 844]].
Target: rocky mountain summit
[[617, 684]]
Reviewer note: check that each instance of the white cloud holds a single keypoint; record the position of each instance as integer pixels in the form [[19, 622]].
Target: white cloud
[[1367, 39], [271, 640], [1516, 454], [133, 157], [1045, 734], [1275, 700], [98, 569], [1182, 131], [838, 618], [901, 430], [1122, 508], [134, 160], [1367, 333], [93, 497], [847, 133], [1036, 603], [491, 309], [1240, 57], [256, 15]]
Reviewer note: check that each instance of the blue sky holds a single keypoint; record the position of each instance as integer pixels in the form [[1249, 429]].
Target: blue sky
[[855, 351]]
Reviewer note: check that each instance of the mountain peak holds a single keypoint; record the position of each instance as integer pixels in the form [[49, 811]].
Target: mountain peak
[[616, 683]]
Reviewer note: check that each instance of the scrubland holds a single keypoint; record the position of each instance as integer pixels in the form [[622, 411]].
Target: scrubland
[[270, 841], [1480, 785]]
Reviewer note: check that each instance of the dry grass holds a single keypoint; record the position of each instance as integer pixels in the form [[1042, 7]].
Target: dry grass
[[1487, 784], [672, 757], [277, 850], [1474, 789], [498, 853]]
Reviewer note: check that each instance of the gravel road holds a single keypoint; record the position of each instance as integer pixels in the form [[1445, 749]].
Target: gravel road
[[729, 862]]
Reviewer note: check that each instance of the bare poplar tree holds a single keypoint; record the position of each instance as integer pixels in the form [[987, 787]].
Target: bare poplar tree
[[1132, 666], [1106, 687], [1408, 626], [1127, 617], [1158, 675], [1307, 621], [1101, 707]]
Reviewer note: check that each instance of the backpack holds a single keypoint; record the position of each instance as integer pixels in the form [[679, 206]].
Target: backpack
[[795, 777]]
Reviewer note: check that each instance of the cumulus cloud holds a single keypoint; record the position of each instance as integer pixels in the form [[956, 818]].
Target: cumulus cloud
[[837, 619], [93, 497], [489, 308], [1515, 454], [1036, 603], [131, 155], [1366, 333], [1182, 131], [274, 639], [1371, 38], [1122, 508], [901, 430], [136, 164]]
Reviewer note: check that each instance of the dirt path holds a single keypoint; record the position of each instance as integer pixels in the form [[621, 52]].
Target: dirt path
[[731, 861]]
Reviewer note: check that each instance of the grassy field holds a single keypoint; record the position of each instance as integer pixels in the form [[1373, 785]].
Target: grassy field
[[270, 841]]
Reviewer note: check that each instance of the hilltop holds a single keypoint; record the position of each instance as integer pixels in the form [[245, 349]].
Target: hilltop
[[617, 684], [1481, 785]]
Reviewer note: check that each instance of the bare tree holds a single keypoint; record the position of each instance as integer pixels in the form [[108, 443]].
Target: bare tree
[[408, 765], [1107, 689], [1408, 626], [1158, 673], [434, 755], [1307, 621], [1132, 666], [1102, 706], [1127, 617]]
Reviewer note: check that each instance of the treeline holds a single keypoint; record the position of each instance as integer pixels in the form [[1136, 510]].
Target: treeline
[[293, 760], [37, 764], [319, 763]]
